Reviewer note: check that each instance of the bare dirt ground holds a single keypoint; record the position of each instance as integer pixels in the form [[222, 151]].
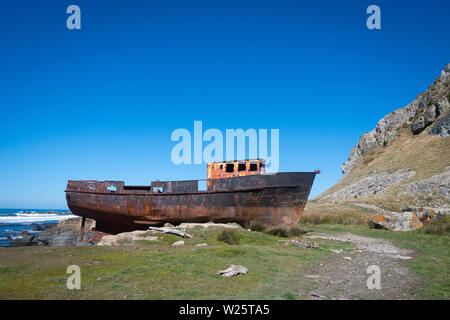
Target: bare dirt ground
[[344, 276]]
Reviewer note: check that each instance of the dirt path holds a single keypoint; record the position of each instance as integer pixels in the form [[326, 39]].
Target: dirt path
[[344, 276]]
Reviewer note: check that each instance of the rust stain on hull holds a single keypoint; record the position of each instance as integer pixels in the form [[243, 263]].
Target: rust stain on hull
[[269, 198]]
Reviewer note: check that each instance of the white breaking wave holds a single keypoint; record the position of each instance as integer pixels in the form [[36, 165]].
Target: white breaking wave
[[35, 217]]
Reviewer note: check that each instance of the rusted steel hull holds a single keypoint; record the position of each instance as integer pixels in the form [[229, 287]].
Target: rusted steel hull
[[271, 199]]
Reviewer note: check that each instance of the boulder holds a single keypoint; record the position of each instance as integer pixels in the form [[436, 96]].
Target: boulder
[[189, 225], [429, 114], [395, 221], [168, 225], [74, 224], [426, 214], [38, 227], [234, 224], [418, 125], [442, 126], [112, 240], [178, 243], [201, 244]]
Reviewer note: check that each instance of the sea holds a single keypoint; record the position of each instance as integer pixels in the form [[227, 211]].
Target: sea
[[15, 221]]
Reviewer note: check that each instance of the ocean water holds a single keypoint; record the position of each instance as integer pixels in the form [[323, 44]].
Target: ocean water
[[15, 221]]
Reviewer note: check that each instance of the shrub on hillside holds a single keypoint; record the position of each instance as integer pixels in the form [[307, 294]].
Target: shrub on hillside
[[439, 226], [278, 231], [229, 236], [257, 226], [295, 231]]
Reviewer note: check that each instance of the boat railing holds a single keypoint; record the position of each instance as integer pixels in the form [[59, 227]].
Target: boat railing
[[198, 185]]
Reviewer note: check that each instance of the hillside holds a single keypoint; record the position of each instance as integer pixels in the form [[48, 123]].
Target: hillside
[[405, 160]]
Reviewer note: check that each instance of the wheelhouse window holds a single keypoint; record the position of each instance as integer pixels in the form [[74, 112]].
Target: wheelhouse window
[[229, 167]]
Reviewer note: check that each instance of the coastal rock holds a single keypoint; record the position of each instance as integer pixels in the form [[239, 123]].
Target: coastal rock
[[50, 237], [114, 240], [74, 224], [208, 225], [38, 227], [65, 233], [395, 221], [60, 238]]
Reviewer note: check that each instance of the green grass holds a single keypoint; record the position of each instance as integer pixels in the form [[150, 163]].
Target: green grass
[[156, 270], [431, 259], [149, 270]]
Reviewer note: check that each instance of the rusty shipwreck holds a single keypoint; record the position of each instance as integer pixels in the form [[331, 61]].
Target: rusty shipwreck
[[234, 191]]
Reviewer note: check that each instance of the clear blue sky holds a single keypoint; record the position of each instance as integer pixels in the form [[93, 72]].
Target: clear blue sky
[[102, 102]]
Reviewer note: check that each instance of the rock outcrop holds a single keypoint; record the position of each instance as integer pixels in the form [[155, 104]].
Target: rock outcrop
[[425, 116], [427, 109], [375, 183], [437, 186], [442, 126], [426, 214], [65, 233], [396, 221], [382, 135]]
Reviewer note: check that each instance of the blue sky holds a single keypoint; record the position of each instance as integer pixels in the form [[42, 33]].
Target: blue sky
[[102, 102]]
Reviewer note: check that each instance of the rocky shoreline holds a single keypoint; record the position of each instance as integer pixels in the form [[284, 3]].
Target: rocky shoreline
[[65, 233]]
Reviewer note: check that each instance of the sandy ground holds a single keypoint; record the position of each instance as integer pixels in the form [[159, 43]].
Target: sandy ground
[[345, 275]]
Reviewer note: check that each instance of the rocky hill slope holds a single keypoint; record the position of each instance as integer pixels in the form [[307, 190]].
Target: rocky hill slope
[[405, 160]]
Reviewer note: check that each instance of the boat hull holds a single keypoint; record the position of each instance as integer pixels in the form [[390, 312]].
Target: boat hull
[[271, 200]]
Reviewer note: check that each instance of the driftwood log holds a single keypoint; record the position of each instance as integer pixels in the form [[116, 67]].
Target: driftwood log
[[172, 231], [232, 270]]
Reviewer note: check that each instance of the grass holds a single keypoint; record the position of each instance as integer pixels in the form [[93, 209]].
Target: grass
[[156, 270], [320, 212], [431, 262]]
